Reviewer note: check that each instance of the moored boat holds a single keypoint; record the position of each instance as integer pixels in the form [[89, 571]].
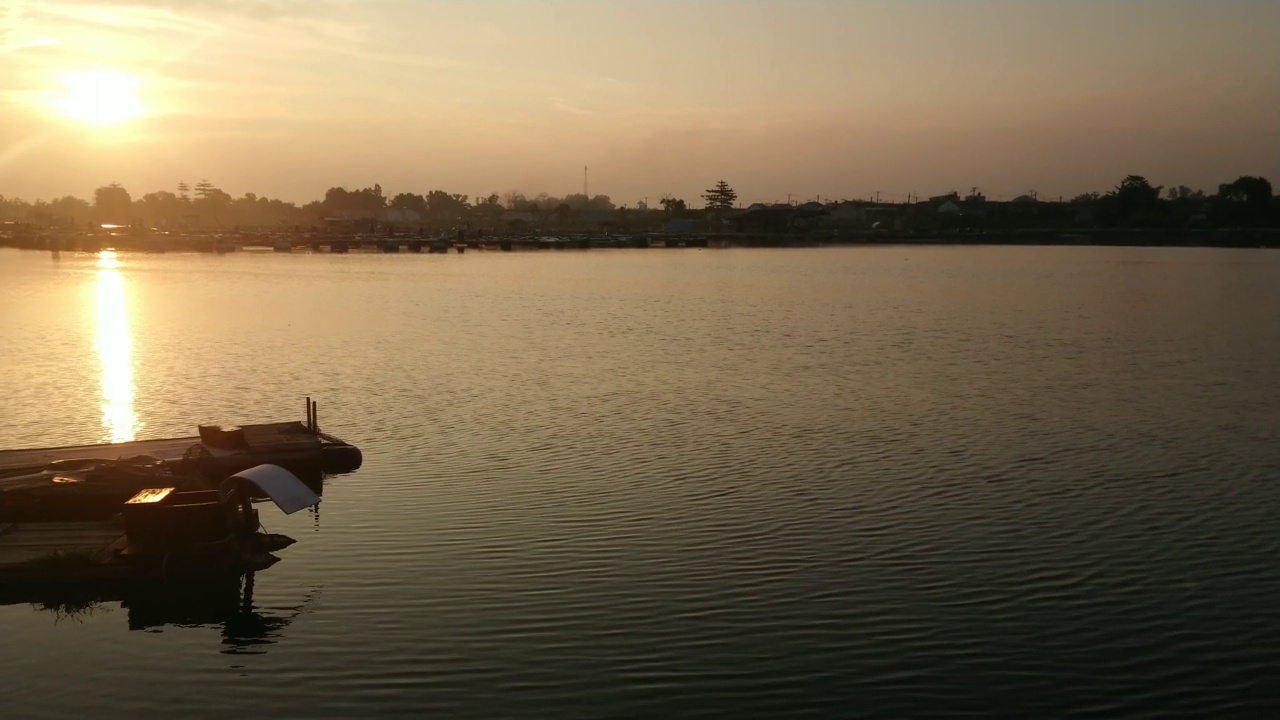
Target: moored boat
[[159, 533]]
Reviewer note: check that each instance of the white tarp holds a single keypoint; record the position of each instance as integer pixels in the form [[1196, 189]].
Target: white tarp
[[288, 492]]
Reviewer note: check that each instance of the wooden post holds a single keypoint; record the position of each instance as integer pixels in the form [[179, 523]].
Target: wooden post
[[315, 423], [309, 421]]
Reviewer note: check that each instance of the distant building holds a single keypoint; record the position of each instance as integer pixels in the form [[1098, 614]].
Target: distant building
[[779, 218], [847, 213]]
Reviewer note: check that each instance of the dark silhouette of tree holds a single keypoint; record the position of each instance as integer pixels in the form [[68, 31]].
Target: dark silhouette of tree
[[579, 202], [67, 210], [1182, 192], [1247, 200], [363, 204], [253, 210], [14, 209], [411, 202], [487, 209], [161, 208], [335, 201], [1135, 189], [1133, 197], [211, 202], [1252, 192], [445, 208], [112, 204], [721, 197]]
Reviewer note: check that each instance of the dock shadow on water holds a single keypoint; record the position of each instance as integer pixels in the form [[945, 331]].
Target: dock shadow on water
[[225, 603]]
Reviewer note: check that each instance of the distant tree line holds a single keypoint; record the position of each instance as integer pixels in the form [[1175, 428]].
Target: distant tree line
[[1135, 202], [1248, 201], [209, 205]]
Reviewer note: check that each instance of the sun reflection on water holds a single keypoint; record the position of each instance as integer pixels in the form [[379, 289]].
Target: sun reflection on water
[[115, 351]]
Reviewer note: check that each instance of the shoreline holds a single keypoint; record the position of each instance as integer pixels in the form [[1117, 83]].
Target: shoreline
[[294, 242]]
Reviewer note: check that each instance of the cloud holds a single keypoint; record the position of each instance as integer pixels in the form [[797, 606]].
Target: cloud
[[16, 44], [261, 9], [132, 18]]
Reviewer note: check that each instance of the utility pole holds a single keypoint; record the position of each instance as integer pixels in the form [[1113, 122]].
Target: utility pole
[[877, 197]]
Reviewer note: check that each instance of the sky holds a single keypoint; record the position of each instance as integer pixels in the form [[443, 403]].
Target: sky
[[801, 98]]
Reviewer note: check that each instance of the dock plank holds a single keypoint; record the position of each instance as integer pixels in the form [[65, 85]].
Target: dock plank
[[268, 437], [13, 461], [278, 436], [25, 542]]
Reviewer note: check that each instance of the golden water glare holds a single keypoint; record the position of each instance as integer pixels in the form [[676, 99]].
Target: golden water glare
[[115, 351]]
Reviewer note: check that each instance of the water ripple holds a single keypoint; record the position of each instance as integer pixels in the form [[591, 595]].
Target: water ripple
[[1001, 481]]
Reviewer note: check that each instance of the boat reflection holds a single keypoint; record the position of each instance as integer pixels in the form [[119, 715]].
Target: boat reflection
[[226, 603], [115, 351]]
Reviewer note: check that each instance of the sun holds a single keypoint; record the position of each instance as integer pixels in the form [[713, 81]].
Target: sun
[[99, 97]]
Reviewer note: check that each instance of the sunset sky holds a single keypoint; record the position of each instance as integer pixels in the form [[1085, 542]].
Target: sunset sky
[[832, 98]]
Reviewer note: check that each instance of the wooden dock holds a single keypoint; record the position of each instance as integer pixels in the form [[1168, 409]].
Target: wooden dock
[[158, 533], [287, 443], [14, 462], [25, 542]]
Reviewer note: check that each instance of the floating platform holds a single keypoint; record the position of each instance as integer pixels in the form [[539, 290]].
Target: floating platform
[[159, 533], [82, 482], [290, 444]]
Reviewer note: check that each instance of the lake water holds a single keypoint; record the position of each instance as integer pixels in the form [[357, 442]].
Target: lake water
[[882, 482]]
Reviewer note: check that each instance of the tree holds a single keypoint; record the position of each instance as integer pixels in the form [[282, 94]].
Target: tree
[[721, 197], [1253, 192], [515, 201], [112, 204], [488, 208], [203, 189], [67, 210], [563, 213], [14, 209], [1183, 192], [446, 208], [363, 204], [161, 206], [1248, 200], [1135, 195], [673, 206], [211, 202], [409, 201]]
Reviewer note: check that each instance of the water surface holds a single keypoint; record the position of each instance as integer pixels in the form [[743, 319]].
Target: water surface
[[835, 482]]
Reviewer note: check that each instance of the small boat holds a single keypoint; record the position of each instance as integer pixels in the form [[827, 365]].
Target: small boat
[[160, 533]]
